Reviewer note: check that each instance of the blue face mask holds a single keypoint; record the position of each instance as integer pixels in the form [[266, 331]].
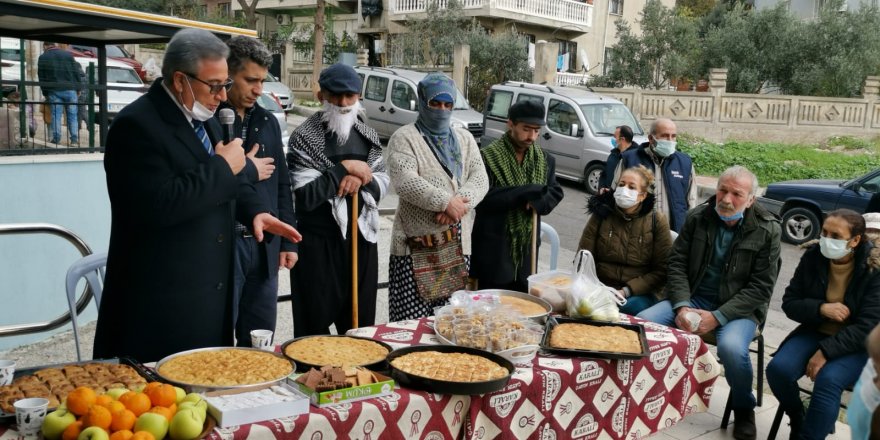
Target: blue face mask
[[865, 399], [613, 143], [729, 218]]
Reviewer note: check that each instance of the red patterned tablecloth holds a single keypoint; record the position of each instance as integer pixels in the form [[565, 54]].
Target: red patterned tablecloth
[[553, 397]]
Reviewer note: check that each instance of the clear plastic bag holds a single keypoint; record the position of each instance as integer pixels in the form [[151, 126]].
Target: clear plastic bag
[[588, 297]]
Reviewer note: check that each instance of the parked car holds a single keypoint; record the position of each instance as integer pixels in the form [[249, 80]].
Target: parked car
[[580, 126], [389, 100], [127, 85], [10, 63], [282, 92], [114, 52], [803, 204], [271, 103]]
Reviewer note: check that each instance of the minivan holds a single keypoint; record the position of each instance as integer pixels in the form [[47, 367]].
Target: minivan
[[579, 129], [389, 100]]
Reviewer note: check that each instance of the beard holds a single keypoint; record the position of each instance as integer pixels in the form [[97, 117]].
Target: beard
[[340, 120]]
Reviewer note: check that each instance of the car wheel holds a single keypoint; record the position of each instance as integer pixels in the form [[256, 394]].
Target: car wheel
[[591, 178], [800, 225]]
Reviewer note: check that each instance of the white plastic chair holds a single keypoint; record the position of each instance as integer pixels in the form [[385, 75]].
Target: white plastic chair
[[90, 267], [549, 234]]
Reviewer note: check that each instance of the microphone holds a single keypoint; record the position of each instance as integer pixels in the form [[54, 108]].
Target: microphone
[[227, 120]]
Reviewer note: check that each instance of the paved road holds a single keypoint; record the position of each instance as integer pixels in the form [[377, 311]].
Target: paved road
[[570, 216]]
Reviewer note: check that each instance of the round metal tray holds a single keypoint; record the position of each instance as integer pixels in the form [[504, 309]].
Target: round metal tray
[[540, 318], [518, 355], [196, 387], [303, 366], [408, 380]]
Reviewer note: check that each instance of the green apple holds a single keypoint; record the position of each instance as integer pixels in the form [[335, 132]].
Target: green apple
[[139, 388], [94, 433], [56, 422], [116, 392], [200, 408], [193, 397], [186, 424], [181, 394], [154, 423]]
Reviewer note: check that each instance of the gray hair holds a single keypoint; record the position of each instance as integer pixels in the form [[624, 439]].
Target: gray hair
[[243, 49], [187, 49], [657, 122], [737, 172]]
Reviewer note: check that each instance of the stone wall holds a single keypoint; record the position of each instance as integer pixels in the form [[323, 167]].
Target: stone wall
[[719, 116]]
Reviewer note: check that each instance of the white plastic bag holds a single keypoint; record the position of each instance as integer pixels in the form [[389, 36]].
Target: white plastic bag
[[588, 297]]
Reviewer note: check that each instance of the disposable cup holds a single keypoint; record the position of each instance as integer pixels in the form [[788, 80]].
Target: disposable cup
[[29, 415], [262, 339], [7, 371]]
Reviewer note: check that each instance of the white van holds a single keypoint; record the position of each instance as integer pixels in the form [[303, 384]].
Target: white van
[[390, 102], [10, 63], [127, 85], [580, 125]]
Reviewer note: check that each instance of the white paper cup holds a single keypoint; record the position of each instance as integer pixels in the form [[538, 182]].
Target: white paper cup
[[694, 319], [262, 339], [7, 370], [29, 415]]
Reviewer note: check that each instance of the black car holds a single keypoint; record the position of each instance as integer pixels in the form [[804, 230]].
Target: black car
[[803, 204]]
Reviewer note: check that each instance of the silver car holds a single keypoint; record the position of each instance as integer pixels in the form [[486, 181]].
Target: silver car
[[282, 92], [269, 102]]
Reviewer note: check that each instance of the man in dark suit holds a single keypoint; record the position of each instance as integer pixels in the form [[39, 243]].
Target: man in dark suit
[[255, 292], [175, 191]]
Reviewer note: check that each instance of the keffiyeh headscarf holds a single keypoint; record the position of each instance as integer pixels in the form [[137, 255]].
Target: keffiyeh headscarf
[[434, 124]]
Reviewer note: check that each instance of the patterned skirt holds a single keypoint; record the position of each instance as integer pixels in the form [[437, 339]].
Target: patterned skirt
[[404, 301]]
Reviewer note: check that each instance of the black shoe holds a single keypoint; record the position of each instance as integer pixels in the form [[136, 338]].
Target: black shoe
[[744, 424]]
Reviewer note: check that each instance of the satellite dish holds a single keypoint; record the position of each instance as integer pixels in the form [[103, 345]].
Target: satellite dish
[[585, 61]]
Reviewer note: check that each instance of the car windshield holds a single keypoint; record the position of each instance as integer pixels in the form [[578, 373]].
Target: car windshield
[[10, 54], [603, 119], [270, 78], [122, 76], [460, 102], [268, 103]]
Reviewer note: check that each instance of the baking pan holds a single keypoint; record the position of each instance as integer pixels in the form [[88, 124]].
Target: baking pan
[[446, 387], [303, 366], [556, 320], [541, 317], [198, 388], [9, 418]]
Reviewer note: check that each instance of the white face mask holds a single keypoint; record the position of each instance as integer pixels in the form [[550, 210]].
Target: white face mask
[[869, 392], [199, 112], [664, 148], [833, 249], [626, 198]]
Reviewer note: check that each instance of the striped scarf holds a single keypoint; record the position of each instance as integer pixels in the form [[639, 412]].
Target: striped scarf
[[500, 160]]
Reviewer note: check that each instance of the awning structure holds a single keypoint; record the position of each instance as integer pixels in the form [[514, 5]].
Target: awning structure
[[64, 21]]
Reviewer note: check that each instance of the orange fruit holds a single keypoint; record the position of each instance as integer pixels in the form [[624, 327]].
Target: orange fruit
[[161, 394], [142, 435], [115, 407], [72, 431], [98, 416], [80, 399], [103, 400], [121, 435], [123, 420], [138, 403], [164, 411]]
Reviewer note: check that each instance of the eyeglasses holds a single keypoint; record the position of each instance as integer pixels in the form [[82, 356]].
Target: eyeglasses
[[214, 88]]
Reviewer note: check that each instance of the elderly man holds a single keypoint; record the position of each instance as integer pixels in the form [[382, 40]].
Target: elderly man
[[332, 156], [173, 191], [621, 141], [522, 180], [255, 289], [675, 189], [721, 274]]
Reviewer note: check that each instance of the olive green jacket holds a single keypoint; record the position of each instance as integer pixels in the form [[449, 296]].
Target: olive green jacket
[[750, 269]]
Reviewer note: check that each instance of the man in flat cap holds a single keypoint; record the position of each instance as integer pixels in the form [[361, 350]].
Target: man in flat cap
[[522, 183], [331, 156]]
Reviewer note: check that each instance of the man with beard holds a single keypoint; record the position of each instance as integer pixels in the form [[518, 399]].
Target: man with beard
[[255, 288], [331, 156]]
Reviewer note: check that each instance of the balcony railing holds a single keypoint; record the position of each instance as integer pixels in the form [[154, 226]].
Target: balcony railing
[[571, 79], [567, 11]]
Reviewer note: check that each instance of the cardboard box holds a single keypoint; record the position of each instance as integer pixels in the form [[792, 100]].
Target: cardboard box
[[255, 404], [383, 387]]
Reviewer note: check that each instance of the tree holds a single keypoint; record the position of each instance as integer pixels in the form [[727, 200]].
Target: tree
[[430, 41], [495, 58], [318, 60], [667, 48], [250, 12]]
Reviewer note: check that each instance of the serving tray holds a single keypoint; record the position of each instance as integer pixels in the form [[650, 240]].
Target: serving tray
[[197, 388], [409, 380], [303, 366], [556, 320]]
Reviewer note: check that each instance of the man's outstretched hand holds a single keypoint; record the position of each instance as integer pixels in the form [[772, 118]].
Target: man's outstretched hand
[[266, 222]]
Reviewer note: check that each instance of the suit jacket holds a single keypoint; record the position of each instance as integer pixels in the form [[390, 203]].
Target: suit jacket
[[275, 192], [168, 282]]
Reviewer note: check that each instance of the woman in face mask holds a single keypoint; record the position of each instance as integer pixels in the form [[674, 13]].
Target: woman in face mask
[[835, 295], [439, 177], [630, 242]]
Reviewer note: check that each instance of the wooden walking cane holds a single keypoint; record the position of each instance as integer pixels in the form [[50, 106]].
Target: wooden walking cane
[[534, 241], [354, 259]]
